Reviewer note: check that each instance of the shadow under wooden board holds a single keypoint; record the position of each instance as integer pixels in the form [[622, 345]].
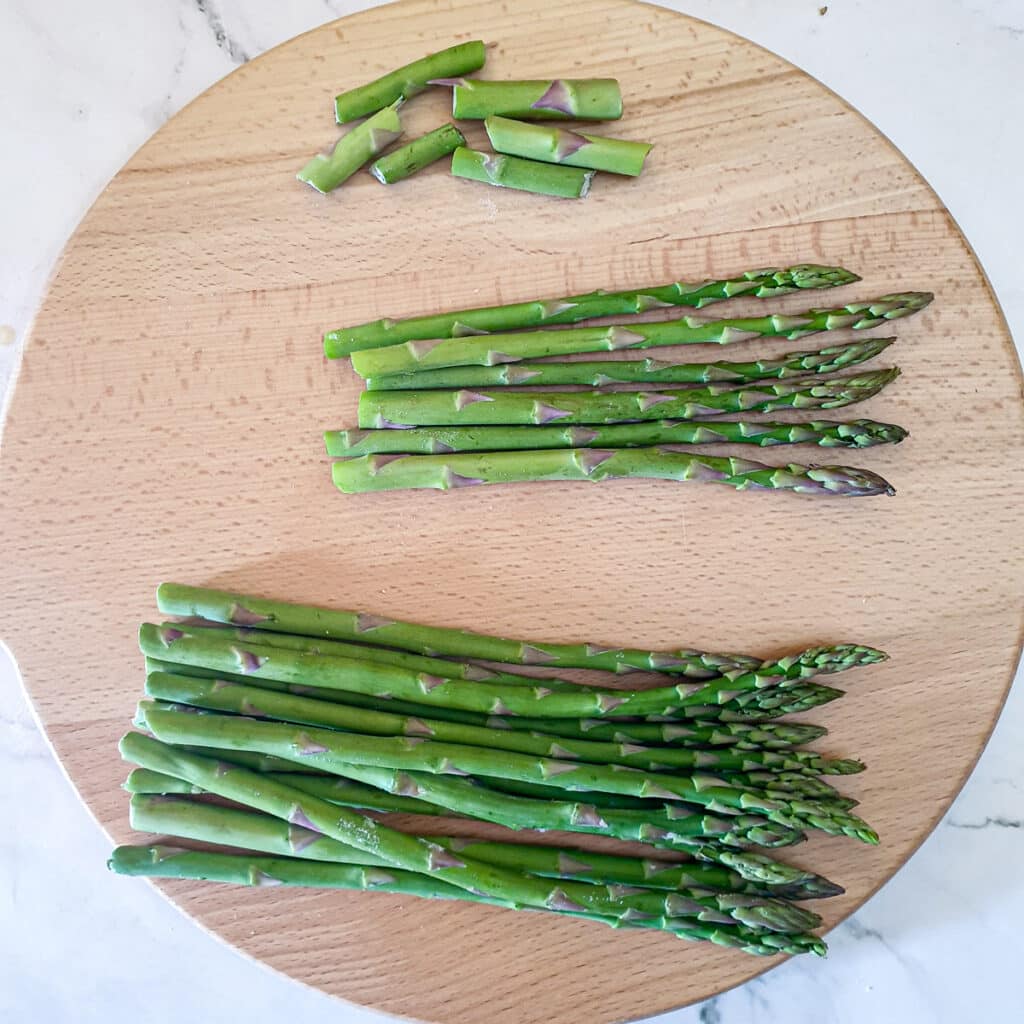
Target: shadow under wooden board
[[167, 419]]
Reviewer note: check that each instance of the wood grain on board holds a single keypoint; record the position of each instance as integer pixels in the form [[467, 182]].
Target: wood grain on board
[[167, 420]]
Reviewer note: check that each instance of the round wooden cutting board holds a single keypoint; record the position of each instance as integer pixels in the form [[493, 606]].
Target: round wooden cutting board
[[166, 425]]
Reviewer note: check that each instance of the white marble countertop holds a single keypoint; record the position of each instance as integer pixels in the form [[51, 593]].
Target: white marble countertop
[[83, 86]]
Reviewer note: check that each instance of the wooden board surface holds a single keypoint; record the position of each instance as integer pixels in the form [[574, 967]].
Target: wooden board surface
[[166, 425]]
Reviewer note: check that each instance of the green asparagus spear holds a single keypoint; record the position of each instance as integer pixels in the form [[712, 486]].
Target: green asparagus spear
[[496, 406], [560, 146], [571, 309], [250, 830], [416, 155], [491, 349], [408, 80], [598, 373], [560, 99], [257, 661], [443, 440], [525, 175], [443, 472], [220, 695], [355, 148], [283, 617], [334, 752]]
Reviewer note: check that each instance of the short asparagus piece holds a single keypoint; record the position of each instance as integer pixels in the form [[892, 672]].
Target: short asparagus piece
[[491, 349], [189, 819], [220, 695], [408, 80], [580, 99], [444, 440], [416, 155], [353, 150], [332, 751], [524, 175], [209, 650], [541, 408], [444, 472], [597, 373], [571, 309], [559, 146], [366, 628]]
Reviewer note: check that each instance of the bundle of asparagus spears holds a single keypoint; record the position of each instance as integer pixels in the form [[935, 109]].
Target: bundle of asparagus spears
[[306, 719], [461, 398], [534, 158]]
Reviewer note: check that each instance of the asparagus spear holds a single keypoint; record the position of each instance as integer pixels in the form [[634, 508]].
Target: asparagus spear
[[571, 309], [220, 695], [416, 155], [246, 869], [412, 854], [352, 150], [443, 472], [473, 408], [408, 80], [326, 671], [597, 373], [250, 830], [491, 349], [335, 752], [284, 617], [525, 175], [581, 99], [444, 440], [560, 146]]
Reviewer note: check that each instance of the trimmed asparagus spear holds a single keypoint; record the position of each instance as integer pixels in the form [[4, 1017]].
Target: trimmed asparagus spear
[[408, 80], [416, 155], [443, 472], [761, 284], [165, 861], [559, 146], [560, 99], [352, 150], [220, 695], [443, 440], [525, 175], [498, 407], [284, 617], [251, 830], [412, 854], [257, 661], [598, 373], [491, 349], [335, 752]]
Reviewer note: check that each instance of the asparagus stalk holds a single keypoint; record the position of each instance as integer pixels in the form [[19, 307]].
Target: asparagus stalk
[[560, 146], [355, 148], [571, 309], [443, 472], [284, 617], [326, 671], [220, 695], [474, 408], [335, 752], [597, 373], [408, 80], [412, 854], [250, 830], [416, 155], [491, 349], [580, 99], [246, 869], [444, 440], [525, 175]]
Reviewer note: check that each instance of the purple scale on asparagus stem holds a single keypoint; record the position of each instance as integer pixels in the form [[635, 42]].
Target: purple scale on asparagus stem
[[646, 302], [440, 448], [299, 838], [569, 143], [587, 814], [448, 81], [461, 330], [625, 768], [517, 374], [631, 748], [702, 781], [557, 96], [223, 768], [248, 708], [222, 684], [569, 865], [168, 634], [385, 424], [441, 858], [365, 623], [632, 914], [418, 349], [306, 746], [542, 691], [499, 707], [553, 308], [298, 817], [263, 880], [581, 436], [464, 398], [162, 852], [556, 750], [608, 703], [247, 661], [703, 473], [428, 682], [592, 650], [622, 337], [405, 785], [242, 616], [452, 479], [654, 867], [544, 413], [649, 399], [377, 462], [588, 459], [417, 727], [411, 742], [558, 900], [530, 655], [618, 892], [448, 768], [495, 358], [553, 768]]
